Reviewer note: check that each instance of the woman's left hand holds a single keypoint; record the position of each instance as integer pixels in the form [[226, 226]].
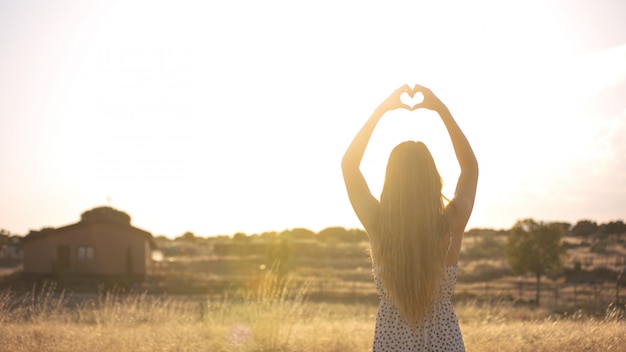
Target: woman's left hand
[[393, 102]]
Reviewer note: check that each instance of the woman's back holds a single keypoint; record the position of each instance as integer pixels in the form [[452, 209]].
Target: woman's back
[[439, 330]]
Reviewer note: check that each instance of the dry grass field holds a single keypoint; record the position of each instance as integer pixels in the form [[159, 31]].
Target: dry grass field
[[271, 317], [328, 305]]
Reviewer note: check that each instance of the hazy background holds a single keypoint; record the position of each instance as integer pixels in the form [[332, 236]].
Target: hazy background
[[220, 117]]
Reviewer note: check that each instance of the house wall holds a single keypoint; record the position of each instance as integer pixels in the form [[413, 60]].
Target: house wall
[[113, 245], [37, 256]]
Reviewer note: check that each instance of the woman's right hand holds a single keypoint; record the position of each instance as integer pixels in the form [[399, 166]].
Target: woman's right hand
[[430, 102], [393, 102]]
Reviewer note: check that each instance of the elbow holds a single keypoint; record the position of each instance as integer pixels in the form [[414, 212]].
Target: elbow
[[474, 169], [472, 165], [349, 167], [347, 163], [470, 168]]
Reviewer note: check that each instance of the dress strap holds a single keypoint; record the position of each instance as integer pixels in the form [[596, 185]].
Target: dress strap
[[449, 243]]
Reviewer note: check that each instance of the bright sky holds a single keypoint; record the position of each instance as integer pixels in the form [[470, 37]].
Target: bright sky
[[224, 116]]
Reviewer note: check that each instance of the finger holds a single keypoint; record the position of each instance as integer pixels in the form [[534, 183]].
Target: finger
[[404, 106], [417, 106], [419, 88], [404, 89], [397, 94]]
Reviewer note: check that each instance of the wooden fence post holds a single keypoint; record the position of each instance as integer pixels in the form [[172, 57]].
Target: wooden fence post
[[556, 296], [617, 291]]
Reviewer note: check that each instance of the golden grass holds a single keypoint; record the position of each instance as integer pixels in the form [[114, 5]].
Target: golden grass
[[586, 335], [503, 327], [273, 316]]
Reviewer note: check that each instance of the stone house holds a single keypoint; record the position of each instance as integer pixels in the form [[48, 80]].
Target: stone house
[[102, 243]]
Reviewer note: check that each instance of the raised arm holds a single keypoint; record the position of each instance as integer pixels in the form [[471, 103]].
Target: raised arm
[[463, 201], [363, 202]]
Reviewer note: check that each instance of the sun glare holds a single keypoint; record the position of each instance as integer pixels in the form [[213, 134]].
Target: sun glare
[[227, 117]]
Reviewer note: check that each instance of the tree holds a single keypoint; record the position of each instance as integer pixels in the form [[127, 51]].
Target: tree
[[4, 235], [616, 228], [535, 247], [585, 229], [333, 234], [241, 237], [269, 236], [359, 235], [280, 253], [484, 246], [188, 236], [302, 234]]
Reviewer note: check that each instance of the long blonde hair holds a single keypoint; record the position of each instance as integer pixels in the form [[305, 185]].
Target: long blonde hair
[[407, 247]]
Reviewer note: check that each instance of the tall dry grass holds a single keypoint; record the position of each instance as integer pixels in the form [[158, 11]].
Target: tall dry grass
[[501, 326], [271, 316]]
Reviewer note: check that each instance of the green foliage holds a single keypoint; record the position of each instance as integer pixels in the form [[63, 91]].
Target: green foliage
[[535, 247], [341, 234], [484, 246], [617, 228], [280, 253], [188, 237], [585, 229], [332, 234], [4, 235], [241, 237], [269, 236], [302, 234], [359, 235]]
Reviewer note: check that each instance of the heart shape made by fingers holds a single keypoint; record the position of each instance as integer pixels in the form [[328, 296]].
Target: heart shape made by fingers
[[412, 99]]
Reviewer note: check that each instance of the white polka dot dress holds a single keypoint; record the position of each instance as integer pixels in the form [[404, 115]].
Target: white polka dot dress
[[440, 331]]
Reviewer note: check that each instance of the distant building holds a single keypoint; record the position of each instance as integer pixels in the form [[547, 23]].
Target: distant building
[[103, 243], [10, 249]]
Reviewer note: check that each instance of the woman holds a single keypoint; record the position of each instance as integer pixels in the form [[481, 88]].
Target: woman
[[415, 237]]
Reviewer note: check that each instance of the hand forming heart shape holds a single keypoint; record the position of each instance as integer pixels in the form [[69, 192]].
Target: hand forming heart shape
[[412, 99]]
